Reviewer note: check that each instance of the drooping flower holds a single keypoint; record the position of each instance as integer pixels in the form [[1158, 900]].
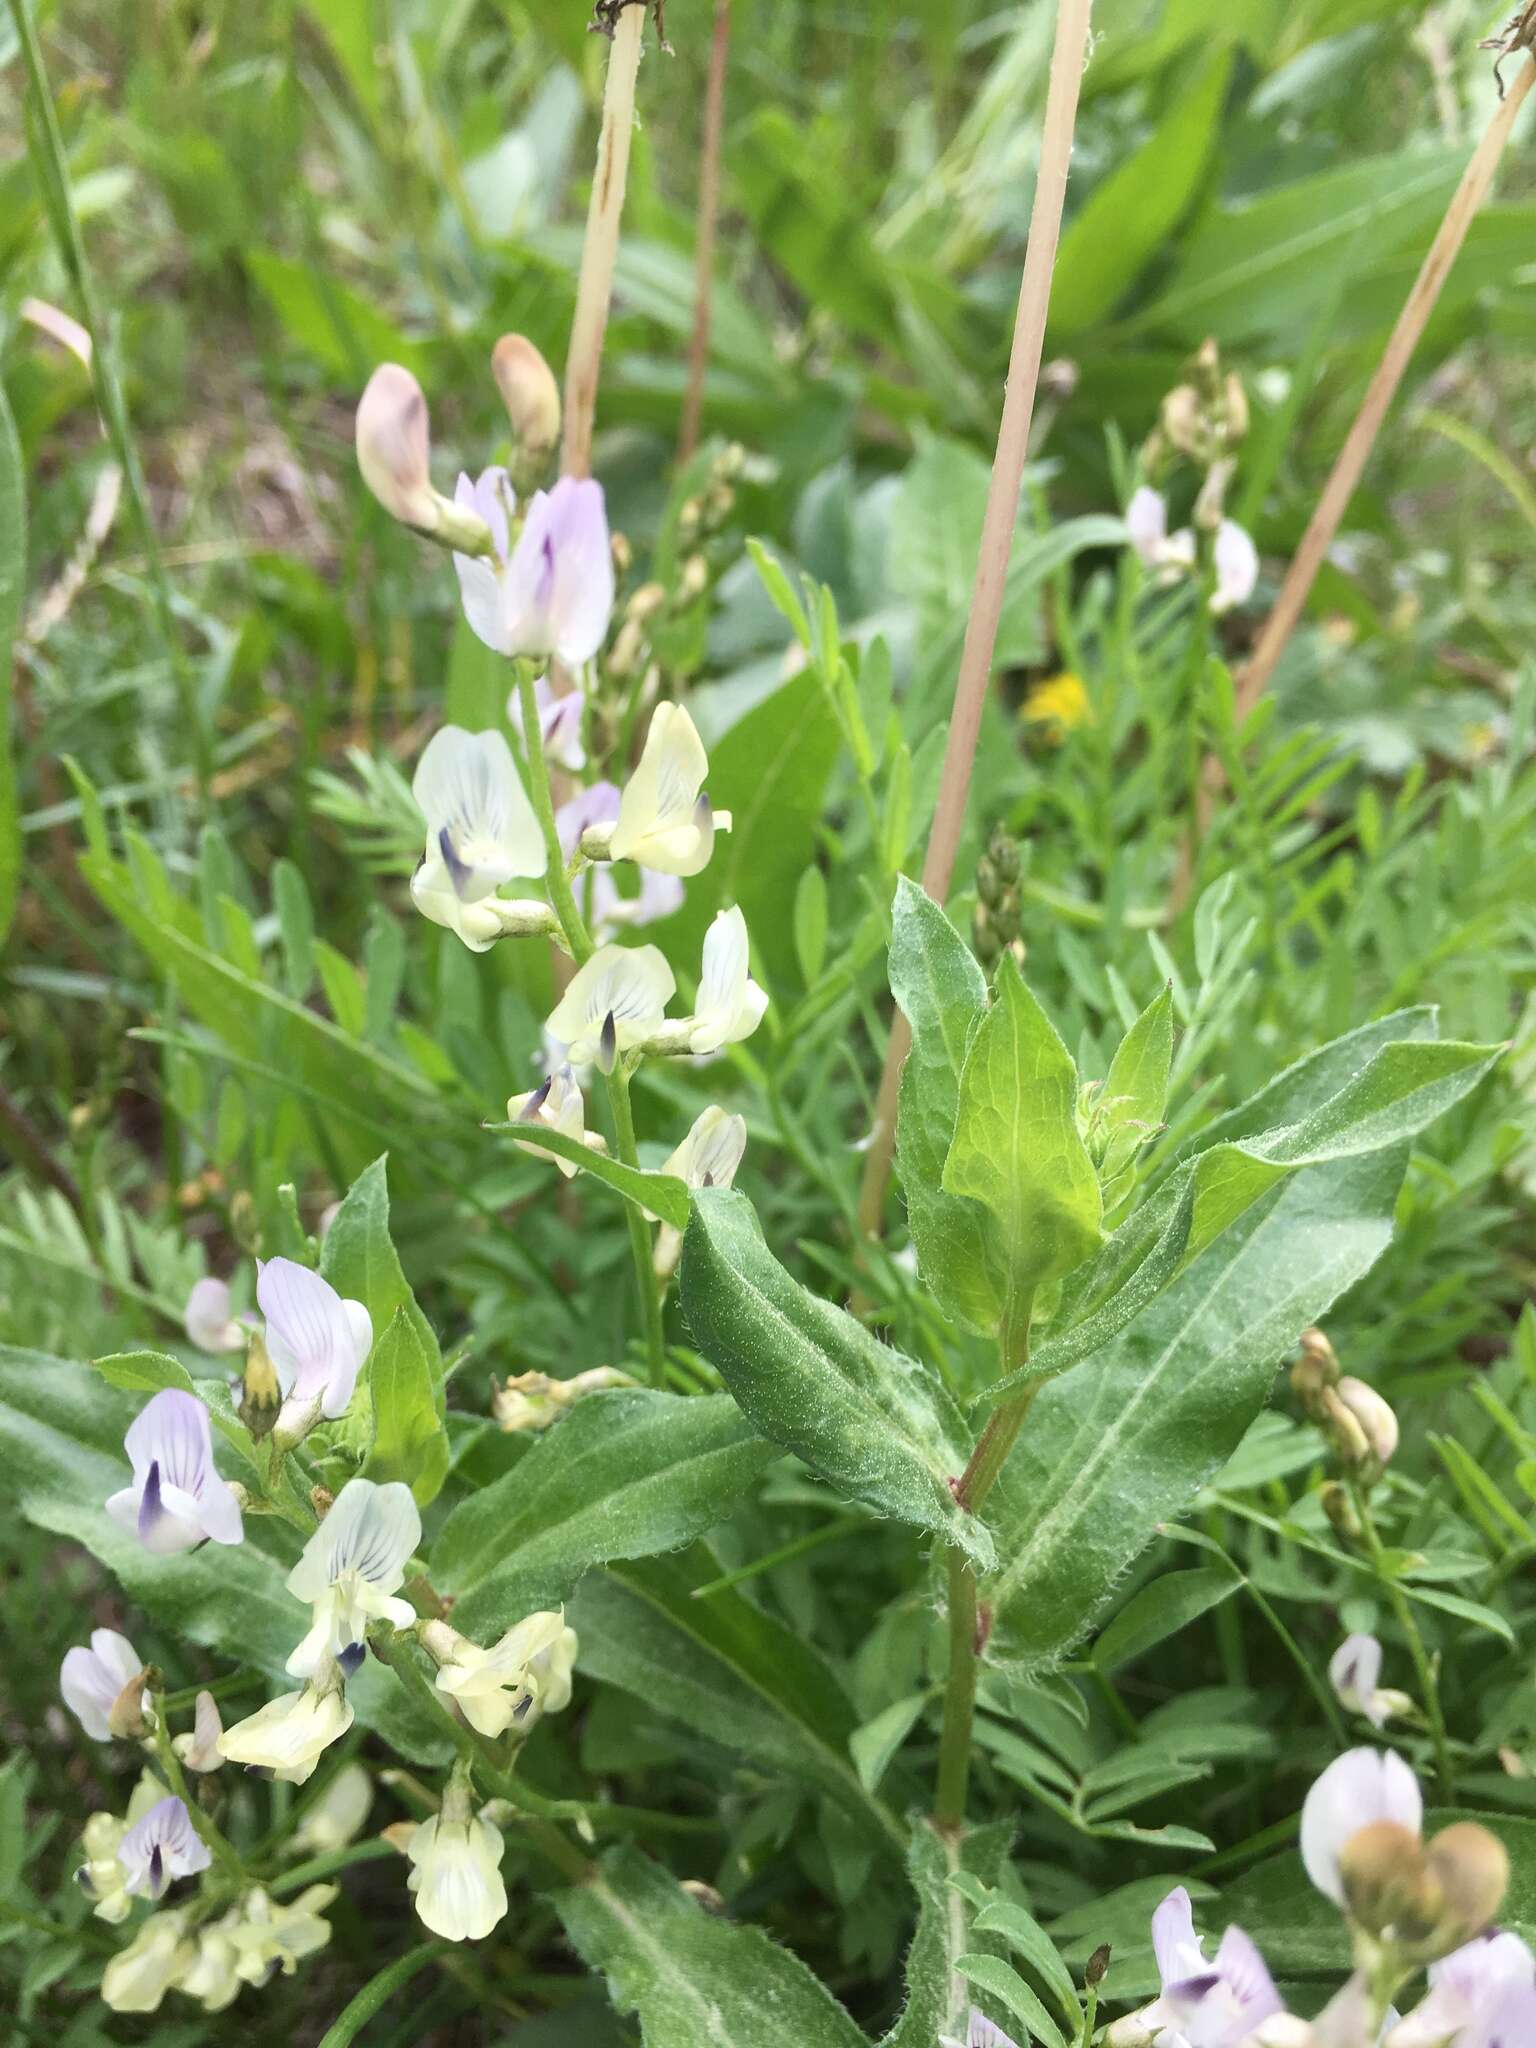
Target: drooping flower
[[289, 1735], [552, 594], [137, 1978], [317, 1343], [1146, 523], [1354, 1672], [456, 1871], [199, 1751], [101, 1876], [559, 725], [337, 1816], [707, 1158], [394, 446], [177, 1499], [980, 2032], [1236, 562], [481, 833], [1358, 1789], [351, 1570], [730, 1005], [1373, 1415], [532, 1401], [617, 1000], [555, 1105], [526, 1674], [1480, 1996], [211, 1977], [1215, 2004], [208, 1321], [93, 1680], [161, 1847], [529, 392], [665, 821], [269, 1934]]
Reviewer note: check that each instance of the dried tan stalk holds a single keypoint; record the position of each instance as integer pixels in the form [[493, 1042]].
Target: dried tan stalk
[[704, 253]]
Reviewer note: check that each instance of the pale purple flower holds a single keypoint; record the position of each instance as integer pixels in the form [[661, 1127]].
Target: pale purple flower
[[597, 805], [162, 1846], [657, 897], [177, 1499], [1357, 1789], [1480, 1996], [317, 1342], [553, 592], [980, 2032], [1146, 524], [351, 1569], [92, 1681], [1354, 1673], [1236, 562], [207, 1319], [1214, 2004], [559, 725]]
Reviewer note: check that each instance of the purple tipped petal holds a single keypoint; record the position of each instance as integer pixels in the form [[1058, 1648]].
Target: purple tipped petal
[[162, 1846], [1174, 1941], [171, 1432]]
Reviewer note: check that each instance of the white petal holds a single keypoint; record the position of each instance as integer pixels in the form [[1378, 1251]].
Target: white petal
[[1355, 1671], [1146, 522], [1360, 1787], [632, 984], [467, 786], [171, 1431], [1178, 1949], [480, 590], [207, 1319], [309, 1333], [661, 796], [370, 1530], [1237, 567]]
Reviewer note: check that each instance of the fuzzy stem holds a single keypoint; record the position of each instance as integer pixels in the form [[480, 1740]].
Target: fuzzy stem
[[704, 241], [54, 169], [1359, 441], [214, 1840], [1067, 59], [959, 1694], [1402, 1609], [583, 365], [579, 939]]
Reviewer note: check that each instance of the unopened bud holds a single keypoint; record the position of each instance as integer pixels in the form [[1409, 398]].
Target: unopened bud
[[1375, 1418], [533, 1400], [1182, 422], [623, 554], [1314, 1373], [695, 576], [399, 1834], [261, 1396], [126, 1717], [394, 446], [528, 391], [1349, 1438], [1340, 1510], [1236, 403], [199, 1751], [322, 1500], [1389, 1886], [1471, 1867], [1097, 1966], [989, 883], [703, 1894], [1131, 2031], [1004, 855]]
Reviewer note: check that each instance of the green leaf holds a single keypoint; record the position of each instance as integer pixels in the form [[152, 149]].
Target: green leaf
[[1002, 1982], [330, 322], [13, 577], [694, 1979], [1131, 215], [409, 1439], [150, 1372], [662, 1194], [1017, 1149], [879, 1426], [361, 1263], [942, 993], [1169, 1603], [61, 1442], [936, 2001], [1362, 1094], [1136, 1087], [874, 1746], [1107, 1455], [1027, 1938], [725, 1671], [811, 924], [626, 1473]]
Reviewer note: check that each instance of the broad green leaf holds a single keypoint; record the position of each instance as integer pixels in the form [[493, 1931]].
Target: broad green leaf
[[150, 1372], [937, 2000], [359, 1259], [1136, 1087], [1384, 1091], [409, 1441], [61, 1440], [1017, 1149], [333, 324], [770, 772], [880, 1427], [663, 1194], [1159, 1610], [1107, 1455], [873, 1746], [726, 1672], [942, 993], [694, 1979], [1004, 1984], [1131, 215], [1027, 1938], [625, 1474], [13, 576]]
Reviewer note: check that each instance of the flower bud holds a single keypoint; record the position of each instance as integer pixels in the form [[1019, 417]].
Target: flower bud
[[1316, 1369], [1374, 1417], [1389, 1887], [127, 1719], [394, 446], [1097, 1966], [1471, 1867], [1340, 1510], [529, 392], [1129, 2032], [1182, 422], [260, 1394], [1235, 399], [1349, 1438]]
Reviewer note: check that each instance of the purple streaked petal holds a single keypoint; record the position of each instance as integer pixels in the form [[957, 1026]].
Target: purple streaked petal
[[171, 1432]]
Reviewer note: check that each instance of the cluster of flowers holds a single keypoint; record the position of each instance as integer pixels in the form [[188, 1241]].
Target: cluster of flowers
[[350, 1575], [1408, 1904], [537, 583], [1203, 422]]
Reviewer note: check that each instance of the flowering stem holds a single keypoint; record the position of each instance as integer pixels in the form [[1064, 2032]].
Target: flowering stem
[[1402, 1608], [579, 939], [583, 365], [1067, 60], [212, 1837], [704, 240]]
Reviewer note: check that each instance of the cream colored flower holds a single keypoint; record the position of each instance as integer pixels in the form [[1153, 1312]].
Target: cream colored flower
[[665, 821], [337, 1816], [617, 1000], [159, 1954], [289, 1735], [505, 1686], [456, 1872], [557, 1105]]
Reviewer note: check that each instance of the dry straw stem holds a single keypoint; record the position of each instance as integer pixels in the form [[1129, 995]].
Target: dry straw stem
[[583, 365], [709, 209], [1067, 60], [1405, 338]]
